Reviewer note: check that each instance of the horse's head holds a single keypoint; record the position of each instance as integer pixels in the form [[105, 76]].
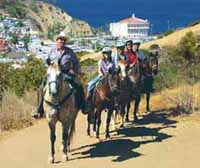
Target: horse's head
[[112, 79], [53, 76], [134, 74], [123, 69]]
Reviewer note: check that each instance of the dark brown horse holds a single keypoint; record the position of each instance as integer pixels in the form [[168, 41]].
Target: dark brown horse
[[149, 70], [103, 99], [135, 78], [142, 76]]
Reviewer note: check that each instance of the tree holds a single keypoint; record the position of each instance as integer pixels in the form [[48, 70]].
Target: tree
[[187, 46], [34, 72], [14, 39]]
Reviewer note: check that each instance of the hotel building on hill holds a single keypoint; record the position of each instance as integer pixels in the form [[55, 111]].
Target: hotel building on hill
[[131, 28]]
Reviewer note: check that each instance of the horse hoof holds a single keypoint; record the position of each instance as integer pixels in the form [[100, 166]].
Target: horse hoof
[[51, 160], [107, 138], [94, 134], [98, 138], [127, 120], [121, 126], [136, 119], [65, 158], [89, 134]]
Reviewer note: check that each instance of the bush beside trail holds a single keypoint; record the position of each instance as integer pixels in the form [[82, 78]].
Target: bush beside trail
[[15, 112], [179, 67], [18, 93]]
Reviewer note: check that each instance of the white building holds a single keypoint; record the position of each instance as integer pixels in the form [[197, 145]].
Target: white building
[[131, 28]]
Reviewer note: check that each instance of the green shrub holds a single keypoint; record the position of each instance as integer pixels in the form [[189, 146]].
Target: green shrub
[[194, 23], [20, 80], [34, 7], [168, 32], [55, 29], [17, 10], [187, 46]]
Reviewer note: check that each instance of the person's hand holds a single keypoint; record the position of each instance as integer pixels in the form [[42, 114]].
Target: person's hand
[[131, 65], [48, 61], [100, 74], [71, 71]]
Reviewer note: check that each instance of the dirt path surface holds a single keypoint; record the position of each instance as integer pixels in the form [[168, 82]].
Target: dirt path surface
[[154, 142]]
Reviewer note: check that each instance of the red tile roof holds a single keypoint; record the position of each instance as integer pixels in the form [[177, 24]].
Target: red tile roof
[[3, 45], [133, 20]]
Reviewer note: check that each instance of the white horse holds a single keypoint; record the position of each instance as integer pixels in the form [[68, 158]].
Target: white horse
[[59, 105]]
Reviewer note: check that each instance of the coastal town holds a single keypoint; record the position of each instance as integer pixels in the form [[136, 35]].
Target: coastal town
[[19, 39]]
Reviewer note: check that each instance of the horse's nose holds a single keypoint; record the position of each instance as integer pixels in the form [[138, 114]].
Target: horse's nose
[[54, 94]]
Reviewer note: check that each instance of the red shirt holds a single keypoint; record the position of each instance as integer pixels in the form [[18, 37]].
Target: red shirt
[[132, 58]]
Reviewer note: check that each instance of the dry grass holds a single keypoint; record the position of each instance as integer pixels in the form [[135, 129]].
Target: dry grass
[[185, 96], [174, 38], [94, 56], [15, 112]]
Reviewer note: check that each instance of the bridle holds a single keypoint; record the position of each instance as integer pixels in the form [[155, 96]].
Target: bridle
[[58, 105]]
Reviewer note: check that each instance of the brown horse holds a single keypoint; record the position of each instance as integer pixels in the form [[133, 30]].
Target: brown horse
[[135, 78], [123, 98], [142, 78], [149, 70], [103, 99]]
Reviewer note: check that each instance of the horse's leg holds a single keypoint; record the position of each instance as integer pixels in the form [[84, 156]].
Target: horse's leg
[[95, 122], [65, 140], [122, 112], [109, 115], [98, 122], [89, 121], [52, 127], [116, 116], [148, 95], [136, 108], [127, 111]]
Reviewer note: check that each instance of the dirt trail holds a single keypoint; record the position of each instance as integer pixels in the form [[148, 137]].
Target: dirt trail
[[154, 142]]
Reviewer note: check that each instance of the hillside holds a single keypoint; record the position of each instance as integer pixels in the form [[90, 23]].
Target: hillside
[[173, 38], [46, 18]]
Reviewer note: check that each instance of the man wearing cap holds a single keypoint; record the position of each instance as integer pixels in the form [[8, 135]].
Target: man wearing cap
[[63, 55], [138, 52]]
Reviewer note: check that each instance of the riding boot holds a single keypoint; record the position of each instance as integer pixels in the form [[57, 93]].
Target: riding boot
[[82, 101], [40, 109]]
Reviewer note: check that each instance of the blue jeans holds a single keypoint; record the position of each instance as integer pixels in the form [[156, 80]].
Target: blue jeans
[[93, 83]]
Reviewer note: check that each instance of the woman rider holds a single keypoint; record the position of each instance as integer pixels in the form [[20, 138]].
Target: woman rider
[[104, 66]]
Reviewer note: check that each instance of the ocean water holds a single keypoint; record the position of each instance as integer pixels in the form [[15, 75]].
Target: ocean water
[[163, 15]]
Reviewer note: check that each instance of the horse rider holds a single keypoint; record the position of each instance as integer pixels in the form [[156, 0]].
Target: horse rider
[[105, 64], [132, 57], [146, 75], [65, 56], [138, 52], [119, 55]]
